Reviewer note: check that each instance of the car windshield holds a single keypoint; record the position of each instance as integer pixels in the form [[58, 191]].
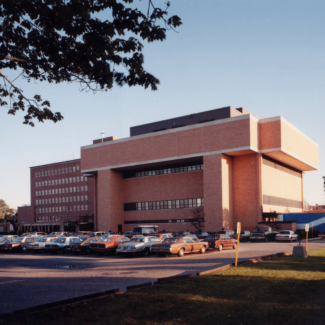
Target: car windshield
[[108, 239], [40, 240], [18, 240], [215, 237], [171, 240], [261, 229], [2, 239], [77, 240], [137, 239], [60, 240], [284, 232]]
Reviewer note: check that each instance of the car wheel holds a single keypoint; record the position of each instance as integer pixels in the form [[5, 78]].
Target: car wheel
[[220, 248], [235, 246], [161, 255], [181, 252], [202, 250], [145, 252], [24, 249]]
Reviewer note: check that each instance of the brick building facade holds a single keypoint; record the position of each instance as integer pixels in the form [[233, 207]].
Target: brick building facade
[[226, 162], [61, 199]]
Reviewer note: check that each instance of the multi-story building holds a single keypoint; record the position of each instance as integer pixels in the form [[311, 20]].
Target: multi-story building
[[225, 162], [61, 198]]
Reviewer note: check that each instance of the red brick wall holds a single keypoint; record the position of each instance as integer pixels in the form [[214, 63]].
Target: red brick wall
[[26, 214]]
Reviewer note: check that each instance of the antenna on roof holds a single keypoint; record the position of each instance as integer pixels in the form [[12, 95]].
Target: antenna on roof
[[103, 133]]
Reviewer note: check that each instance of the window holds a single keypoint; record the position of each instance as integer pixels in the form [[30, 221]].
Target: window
[[35, 174], [74, 179], [45, 192], [50, 210], [86, 207], [70, 169], [52, 172], [46, 210], [59, 191], [50, 202], [42, 192], [36, 202], [74, 189], [59, 171], [45, 201], [42, 173], [56, 172], [70, 198], [45, 183], [78, 198], [78, 207], [60, 181], [74, 168], [86, 197], [82, 178], [74, 199], [82, 188], [52, 181], [56, 200], [78, 179], [36, 184], [63, 209], [77, 167], [39, 174], [59, 200], [56, 182], [78, 188], [59, 209], [63, 190], [62, 170], [70, 179], [82, 197], [56, 209], [67, 180], [42, 183], [82, 208], [74, 208], [70, 189], [63, 199], [86, 188], [85, 178], [56, 191]]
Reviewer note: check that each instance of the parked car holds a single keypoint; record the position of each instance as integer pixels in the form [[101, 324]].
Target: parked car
[[5, 240], [146, 230], [127, 234], [109, 244], [178, 246], [74, 241], [36, 234], [162, 237], [201, 234], [225, 232], [58, 234], [39, 244], [138, 245], [221, 241], [84, 246], [244, 235], [97, 233], [263, 233], [59, 244], [18, 244], [181, 233], [286, 235]]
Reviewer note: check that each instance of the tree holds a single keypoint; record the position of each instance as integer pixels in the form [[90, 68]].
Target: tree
[[6, 213], [63, 41], [198, 216]]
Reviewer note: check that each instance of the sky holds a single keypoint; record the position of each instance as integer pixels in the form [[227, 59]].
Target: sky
[[264, 55]]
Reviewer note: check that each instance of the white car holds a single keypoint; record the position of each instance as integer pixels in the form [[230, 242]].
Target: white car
[[286, 235], [138, 245], [40, 243]]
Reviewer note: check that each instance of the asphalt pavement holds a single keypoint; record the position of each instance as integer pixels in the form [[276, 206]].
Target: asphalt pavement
[[32, 279]]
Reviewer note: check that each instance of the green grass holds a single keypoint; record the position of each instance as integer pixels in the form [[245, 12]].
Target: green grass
[[282, 290]]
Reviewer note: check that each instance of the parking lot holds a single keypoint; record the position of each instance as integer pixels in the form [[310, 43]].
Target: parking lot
[[32, 279]]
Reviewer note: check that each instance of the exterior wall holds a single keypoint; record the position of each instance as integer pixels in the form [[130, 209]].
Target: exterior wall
[[190, 141], [26, 214], [246, 193], [109, 200], [227, 192], [270, 135], [212, 192], [278, 183]]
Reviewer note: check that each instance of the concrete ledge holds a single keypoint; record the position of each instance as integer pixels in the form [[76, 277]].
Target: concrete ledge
[[139, 286], [174, 278], [221, 268]]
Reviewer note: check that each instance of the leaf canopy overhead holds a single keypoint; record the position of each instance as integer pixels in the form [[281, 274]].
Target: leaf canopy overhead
[[63, 41]]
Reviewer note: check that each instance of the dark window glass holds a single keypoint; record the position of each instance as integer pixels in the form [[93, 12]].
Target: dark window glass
[[181, 204], [150, 206], [186, 203]]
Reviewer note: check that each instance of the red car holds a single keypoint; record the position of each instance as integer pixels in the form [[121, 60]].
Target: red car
[[221, 241], [108, 244]]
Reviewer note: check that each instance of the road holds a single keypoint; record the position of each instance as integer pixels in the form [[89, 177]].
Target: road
[[33, 279]]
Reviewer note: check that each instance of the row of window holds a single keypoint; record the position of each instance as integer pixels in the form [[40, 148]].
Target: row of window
[[63, 190], [62, 209], [57, 171], [136, 222], [163, 171], [168, 204], [61, 181], [62, 200], [46, 218]]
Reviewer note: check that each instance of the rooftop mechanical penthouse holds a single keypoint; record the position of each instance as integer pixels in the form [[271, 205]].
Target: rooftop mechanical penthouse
[[225, 161]]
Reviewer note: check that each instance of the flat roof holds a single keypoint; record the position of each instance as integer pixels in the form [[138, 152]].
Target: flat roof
[[60, 162]]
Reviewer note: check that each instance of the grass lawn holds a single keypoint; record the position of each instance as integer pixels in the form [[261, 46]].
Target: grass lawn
[[282, 290]]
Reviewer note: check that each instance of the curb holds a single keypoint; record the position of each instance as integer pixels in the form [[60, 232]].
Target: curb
[[173, 278], [221, 268], [139, 286]]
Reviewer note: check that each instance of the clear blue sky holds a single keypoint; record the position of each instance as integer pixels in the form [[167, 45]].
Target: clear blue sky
[[264, 55]]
